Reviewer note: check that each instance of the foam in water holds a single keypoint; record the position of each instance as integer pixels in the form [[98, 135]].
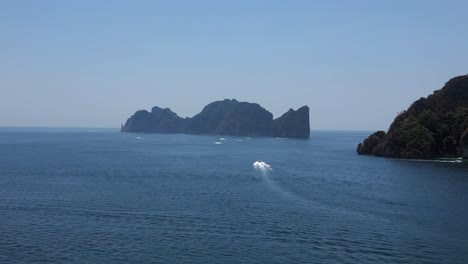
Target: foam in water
[[265, 168], [217, 143], [222, 139], [138, 137], [262, 166], [437, 160]]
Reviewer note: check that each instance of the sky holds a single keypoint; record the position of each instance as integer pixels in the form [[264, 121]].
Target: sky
[[356, 64]]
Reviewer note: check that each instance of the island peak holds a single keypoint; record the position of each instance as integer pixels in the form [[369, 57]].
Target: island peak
[[226, 117]]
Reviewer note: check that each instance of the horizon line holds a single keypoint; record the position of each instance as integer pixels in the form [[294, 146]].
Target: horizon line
[[117, 128]]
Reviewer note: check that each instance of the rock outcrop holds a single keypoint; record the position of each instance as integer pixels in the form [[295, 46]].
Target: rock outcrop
[[291, 124], [230, 117], [370, 143], [432, 127], [227, 117], [158, 121]]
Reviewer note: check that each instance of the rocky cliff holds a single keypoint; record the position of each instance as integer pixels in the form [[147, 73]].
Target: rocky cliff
[[227, 117], [158, 121], [436, 126], [291, 124]]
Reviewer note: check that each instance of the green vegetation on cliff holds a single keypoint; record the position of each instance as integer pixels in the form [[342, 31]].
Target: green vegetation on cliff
[[436, 126]]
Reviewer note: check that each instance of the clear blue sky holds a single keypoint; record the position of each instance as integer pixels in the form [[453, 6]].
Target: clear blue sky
[[355, 63]]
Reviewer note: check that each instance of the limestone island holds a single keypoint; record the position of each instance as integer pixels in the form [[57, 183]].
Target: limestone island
[[432, 127], [227, 117]]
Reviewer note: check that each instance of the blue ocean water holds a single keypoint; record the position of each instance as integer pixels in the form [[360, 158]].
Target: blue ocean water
[[100, 196]]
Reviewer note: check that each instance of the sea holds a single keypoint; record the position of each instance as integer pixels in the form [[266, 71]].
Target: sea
[[101, 196]]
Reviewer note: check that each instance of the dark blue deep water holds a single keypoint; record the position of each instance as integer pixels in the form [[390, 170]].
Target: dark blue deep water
[[107, 197]]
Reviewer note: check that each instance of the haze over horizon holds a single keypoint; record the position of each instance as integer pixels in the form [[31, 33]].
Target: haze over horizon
[[355, 64]]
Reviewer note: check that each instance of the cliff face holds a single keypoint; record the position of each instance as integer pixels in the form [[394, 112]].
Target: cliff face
[[431, 127], [227, 117], [291, 124]]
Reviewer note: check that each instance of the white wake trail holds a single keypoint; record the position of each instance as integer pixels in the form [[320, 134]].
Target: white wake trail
[[262, 166], [265, 169]]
